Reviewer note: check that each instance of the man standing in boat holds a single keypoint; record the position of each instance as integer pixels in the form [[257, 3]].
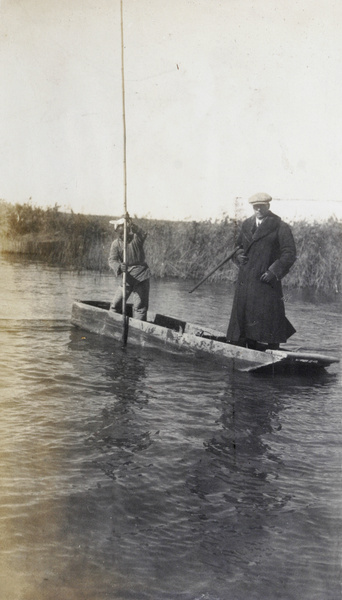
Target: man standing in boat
[[137, 271], [266, 253]]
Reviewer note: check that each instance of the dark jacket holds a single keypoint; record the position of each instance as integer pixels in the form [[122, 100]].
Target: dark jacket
[[258, 311]]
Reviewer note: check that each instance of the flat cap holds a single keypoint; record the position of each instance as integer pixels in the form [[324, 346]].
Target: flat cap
[[260, 198], [117, 223]]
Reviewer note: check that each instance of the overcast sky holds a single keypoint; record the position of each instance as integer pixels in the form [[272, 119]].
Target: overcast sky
[[224, 98]]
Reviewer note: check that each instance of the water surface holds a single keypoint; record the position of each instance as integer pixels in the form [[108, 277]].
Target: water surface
[[131, 474]]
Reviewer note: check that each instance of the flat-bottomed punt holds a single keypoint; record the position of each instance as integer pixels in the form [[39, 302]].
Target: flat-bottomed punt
[[173, 334]]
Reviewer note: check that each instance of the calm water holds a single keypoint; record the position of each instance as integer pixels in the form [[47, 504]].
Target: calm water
[[133, 475]]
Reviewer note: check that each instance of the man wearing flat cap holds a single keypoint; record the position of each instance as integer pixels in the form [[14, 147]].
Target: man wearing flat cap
[[136, 268], [266, 253]]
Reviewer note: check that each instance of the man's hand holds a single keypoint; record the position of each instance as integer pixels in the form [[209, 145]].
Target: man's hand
[[123, 268], [267, 277], [241, 257]]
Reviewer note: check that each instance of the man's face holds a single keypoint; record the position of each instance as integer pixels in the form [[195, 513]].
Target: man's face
[[120, 231], [261, 210]]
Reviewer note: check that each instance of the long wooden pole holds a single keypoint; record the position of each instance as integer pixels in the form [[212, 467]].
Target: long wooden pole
[[124, 276], [215, 269]]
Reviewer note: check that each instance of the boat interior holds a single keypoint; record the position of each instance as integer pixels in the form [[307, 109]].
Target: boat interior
[[164, 321]]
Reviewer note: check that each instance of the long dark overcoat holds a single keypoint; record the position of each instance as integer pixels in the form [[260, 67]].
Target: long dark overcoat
[[258, 311]]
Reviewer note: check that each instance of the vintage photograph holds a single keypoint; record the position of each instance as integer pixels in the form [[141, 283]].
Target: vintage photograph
[[170, 299]]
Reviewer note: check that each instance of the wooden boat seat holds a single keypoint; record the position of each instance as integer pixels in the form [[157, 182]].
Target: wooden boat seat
[[216, 338], [170, 323]]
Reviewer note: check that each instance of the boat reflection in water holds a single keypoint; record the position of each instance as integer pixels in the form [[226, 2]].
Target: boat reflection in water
[[132, 472]]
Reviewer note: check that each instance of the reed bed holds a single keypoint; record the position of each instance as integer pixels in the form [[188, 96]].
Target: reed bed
[[186, 250]]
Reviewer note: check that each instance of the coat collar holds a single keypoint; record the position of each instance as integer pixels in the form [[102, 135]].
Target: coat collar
[[269, 224]]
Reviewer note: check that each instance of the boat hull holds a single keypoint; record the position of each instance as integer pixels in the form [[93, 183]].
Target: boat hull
[[175, 335]]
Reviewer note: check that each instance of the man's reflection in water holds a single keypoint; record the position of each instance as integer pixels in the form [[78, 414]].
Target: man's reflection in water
[[120, 382], [236, 479]]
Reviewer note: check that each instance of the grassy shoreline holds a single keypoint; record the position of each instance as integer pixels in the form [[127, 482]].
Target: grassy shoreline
[[186, 250]]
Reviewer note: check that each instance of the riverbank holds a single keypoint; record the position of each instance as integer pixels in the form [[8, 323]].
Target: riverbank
[[186, 250]]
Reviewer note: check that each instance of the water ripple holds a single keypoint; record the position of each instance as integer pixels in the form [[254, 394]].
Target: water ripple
[[131, 474]]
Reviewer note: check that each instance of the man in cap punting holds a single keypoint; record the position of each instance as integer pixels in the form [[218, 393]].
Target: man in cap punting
[[266, 253], [136, 268]]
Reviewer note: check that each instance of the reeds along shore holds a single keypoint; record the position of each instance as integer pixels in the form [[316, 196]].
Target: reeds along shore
[[186, 250]]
